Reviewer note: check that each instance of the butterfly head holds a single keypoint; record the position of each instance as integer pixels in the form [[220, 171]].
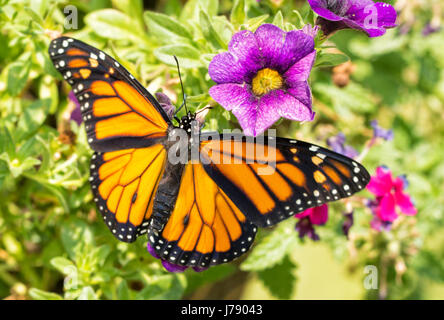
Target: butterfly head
[[187, 122]]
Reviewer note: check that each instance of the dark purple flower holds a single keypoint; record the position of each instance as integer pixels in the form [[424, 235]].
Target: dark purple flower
[[263, 77], [379, 132], [337, 143], [76, 114], [365, 15], [309, 218], [305, 228], [380, 225], [170, 267], [166, 104], [429, 28], [348, 223]]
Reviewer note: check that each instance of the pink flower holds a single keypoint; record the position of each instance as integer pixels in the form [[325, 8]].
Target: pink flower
[[390, 196], [310, 217]]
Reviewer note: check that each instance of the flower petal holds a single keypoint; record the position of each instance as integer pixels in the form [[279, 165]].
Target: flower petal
[[304, 214], [225, 68], [300, 71], [238, 99], [230, 95], [297, 45], [404, 202], [305, 228], [319, 215], [382, 183], [373, 18], [383, 13], [173, 267], [386, 210], [320, 7], [270, 40], [244, 47], [355, 6], [151, 251], [279, 103], [301, 91]]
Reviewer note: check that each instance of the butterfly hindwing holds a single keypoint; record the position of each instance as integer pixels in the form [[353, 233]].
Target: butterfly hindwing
[[118, 111], [124, 185], [205, 227], [286, 177]]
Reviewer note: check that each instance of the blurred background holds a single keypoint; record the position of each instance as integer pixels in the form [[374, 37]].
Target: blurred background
[[53, 243]]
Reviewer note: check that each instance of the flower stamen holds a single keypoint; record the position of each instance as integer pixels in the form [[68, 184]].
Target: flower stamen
[[265, 81]]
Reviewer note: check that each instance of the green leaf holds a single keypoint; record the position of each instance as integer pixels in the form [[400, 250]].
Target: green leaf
[[279, 20], [63, 265], [279, 279], [166, 29], [113, 24], [87, 293], [254, 23], [211, 7], [48, 90], [209, 32], [38, 294], [238, 13], [32, 118], [33, 15], [6, 142], [223, 28], [132, 8], [300, 21], [123, 292], [169, 287], [188, 56], [18, 73], [330, 59], [73, 233], [273, 247]]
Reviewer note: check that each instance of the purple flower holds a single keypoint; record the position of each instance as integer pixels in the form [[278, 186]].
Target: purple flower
[[365, 15], [337, 143], [390, 196], [263, 77], [309, 218], [168, 265], [430, 28], [379, 132], [166, 104], [347, 224], [76, 114]]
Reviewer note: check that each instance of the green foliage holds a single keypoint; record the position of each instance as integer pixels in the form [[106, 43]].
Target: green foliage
[[54, 244]]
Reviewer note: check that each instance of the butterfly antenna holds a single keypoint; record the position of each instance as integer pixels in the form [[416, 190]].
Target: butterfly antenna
[[181, 84]]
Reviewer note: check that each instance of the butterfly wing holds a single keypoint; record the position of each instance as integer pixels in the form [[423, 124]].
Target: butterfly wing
[[118, 112], [204, 228], [125, 126], [282, 178], [124, 185]]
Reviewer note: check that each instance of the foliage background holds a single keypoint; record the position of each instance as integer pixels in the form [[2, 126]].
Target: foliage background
[[53, 244]]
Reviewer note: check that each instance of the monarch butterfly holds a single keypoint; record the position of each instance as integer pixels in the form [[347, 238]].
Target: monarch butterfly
[[198, 213]]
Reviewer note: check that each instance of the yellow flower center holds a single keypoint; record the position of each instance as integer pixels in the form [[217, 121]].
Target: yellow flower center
[[265, 81]]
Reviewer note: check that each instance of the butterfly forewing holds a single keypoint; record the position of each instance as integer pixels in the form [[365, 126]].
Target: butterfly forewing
[[125, 126], [118, 112]]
